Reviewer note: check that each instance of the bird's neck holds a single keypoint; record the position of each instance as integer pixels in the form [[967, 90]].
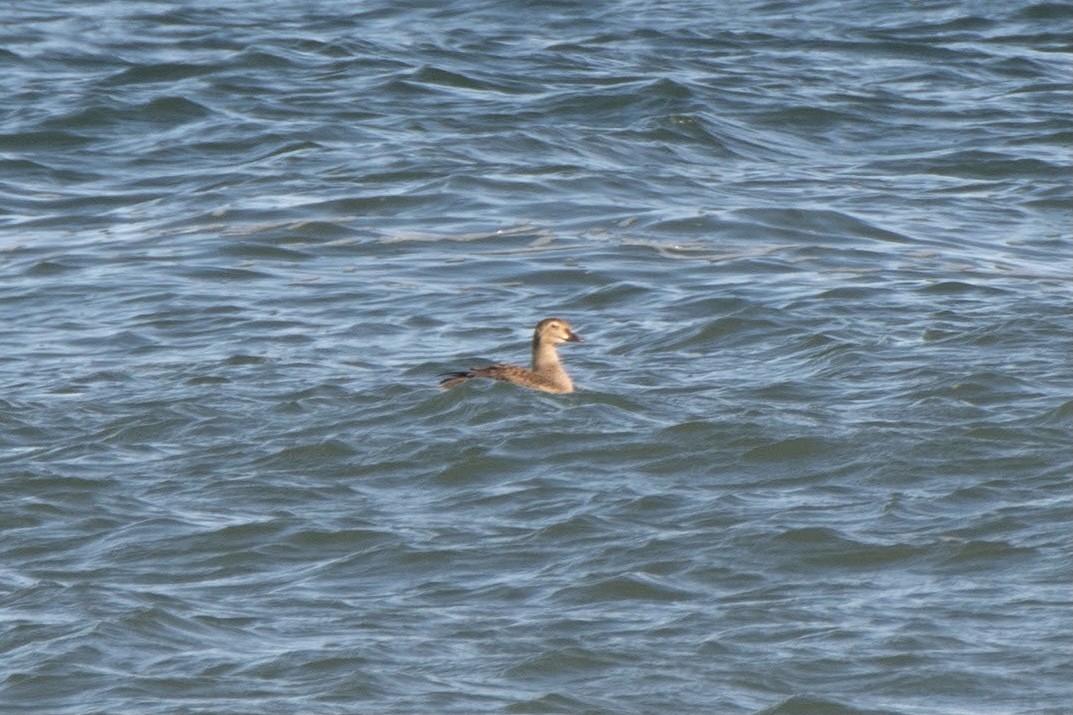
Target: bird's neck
[[545, 357]]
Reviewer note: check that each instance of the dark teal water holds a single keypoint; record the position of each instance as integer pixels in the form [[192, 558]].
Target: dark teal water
[[820, 460]]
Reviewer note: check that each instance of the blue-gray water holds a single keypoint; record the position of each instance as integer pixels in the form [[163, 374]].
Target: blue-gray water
[[819, 252]]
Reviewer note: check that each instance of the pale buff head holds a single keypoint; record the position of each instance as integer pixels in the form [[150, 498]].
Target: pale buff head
[[553, 331]]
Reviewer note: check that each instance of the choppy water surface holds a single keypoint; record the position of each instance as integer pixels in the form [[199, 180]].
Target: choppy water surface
[[820, 256]]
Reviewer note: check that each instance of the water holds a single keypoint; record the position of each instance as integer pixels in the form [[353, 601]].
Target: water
[[820, 256]]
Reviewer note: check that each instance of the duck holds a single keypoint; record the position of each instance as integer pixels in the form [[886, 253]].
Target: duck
[[547, 373]]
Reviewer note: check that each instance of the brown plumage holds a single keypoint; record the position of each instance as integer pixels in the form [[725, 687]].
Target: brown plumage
[[547, 373]]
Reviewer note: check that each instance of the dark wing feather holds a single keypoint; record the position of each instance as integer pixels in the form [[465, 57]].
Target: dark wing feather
[[506, 373]]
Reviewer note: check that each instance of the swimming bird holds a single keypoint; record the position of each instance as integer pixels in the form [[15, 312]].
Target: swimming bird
[[547, 374]]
